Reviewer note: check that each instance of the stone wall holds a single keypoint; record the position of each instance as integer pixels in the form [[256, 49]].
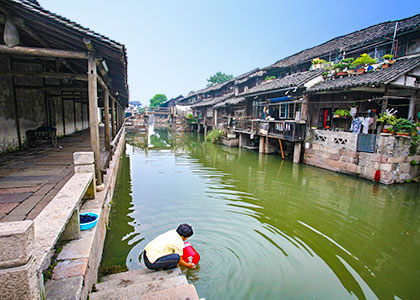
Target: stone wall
[[337, 151]]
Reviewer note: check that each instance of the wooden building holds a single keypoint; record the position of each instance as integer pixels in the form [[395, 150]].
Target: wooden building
[[54, 75]]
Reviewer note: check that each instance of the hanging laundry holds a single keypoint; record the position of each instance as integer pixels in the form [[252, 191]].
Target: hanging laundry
[[366, 122], [353, 111], [356, 125]]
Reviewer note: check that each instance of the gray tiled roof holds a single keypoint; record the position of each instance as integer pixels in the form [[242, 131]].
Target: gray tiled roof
[[378, 77], [230, 101], [382, 31], [238, 79], [211, 102], [293, 80], [61, 33]]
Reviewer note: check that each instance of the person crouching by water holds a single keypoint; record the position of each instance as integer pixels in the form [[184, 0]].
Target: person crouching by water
[[165, 251]]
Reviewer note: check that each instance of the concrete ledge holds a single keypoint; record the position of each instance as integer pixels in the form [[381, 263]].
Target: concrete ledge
[[20, 282], [16, 243], [65, 289], [83, 256], [52, 221]]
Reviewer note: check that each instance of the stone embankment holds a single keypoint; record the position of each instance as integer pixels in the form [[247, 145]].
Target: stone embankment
[[145, 285]]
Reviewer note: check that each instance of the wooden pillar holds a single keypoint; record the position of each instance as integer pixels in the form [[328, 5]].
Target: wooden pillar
[[384, 107], [114, 130], [215, 118], [412, 106], [296, 152], [262, 145], [304, 108], [106, 121], [93, 116], [240, 140]]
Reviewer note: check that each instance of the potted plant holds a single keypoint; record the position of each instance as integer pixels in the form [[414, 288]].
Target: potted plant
[[404, 127], [269, 78], [342, 113], [389, 120], [318, 63], [363, 62], [389, 58]]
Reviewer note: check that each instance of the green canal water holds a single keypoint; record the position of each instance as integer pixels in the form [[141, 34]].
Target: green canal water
[[265, 228]]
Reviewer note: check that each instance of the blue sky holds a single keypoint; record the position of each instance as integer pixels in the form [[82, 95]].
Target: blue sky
[[174, 46]]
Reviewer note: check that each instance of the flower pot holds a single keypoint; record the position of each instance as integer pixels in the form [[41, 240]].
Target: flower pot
[[352, 71], [391, 61], [402, 134], [360, 71], [385, 66], [341, 74], [385, 130]]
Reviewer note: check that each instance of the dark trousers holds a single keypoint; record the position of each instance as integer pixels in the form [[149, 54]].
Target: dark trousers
[[165, 262]]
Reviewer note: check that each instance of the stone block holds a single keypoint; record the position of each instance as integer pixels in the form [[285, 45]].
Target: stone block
[[83, 158], [84, 169], [351, 168], [72, 230], [70, 268], [78, 248], [334, 156], [337, 165], [64, 289], [16, 243], [20, 282], [316, 147], [404, 168], [387, 167], [330, 149], [396, 160], [91, 191]]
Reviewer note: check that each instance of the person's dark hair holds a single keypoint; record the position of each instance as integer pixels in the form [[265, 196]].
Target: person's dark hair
[[185, 230]]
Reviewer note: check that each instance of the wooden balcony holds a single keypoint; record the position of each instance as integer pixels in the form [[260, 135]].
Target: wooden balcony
[[289, 130]]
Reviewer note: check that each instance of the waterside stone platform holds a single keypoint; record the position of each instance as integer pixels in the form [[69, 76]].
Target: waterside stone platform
[[145, 284]]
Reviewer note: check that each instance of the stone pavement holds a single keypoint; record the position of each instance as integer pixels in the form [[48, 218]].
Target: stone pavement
[[30, 179], [145, 284]]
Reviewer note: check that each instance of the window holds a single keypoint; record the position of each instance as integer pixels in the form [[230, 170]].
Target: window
[[283, 111], [287, 111]]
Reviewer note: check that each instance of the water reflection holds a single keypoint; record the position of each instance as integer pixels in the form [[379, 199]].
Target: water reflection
[[270, 229]]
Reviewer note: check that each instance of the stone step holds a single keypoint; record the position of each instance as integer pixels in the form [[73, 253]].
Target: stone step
[[183, 292], [142, 275], [128, 290]]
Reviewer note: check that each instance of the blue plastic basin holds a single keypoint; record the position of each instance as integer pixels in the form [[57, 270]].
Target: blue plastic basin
[[91, 224]]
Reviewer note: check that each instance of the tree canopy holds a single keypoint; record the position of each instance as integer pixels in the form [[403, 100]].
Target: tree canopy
[[157, 100], [219, 77]]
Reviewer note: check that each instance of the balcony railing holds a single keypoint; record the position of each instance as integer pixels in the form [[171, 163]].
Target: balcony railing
[[287, 130]]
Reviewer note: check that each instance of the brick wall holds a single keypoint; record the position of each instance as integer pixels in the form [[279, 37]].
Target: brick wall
[[337, 151]]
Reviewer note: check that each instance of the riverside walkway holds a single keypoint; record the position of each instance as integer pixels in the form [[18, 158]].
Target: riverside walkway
[[30, 179]]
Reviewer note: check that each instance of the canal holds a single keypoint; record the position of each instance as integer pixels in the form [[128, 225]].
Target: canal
[[265, 228]]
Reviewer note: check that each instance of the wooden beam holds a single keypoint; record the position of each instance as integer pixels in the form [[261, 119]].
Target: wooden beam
[[114, 130], [93, 116], [43, 52], [106, 121], [80, 77]]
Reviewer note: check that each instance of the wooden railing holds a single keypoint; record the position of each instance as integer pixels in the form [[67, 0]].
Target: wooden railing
[[287, 130]]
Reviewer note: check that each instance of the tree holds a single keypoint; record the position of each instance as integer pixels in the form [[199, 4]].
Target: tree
[[219, 77], [157, 100]]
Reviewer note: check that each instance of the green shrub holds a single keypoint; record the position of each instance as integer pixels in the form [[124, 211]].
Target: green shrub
[[388, 56], [214, 136], [364, 60], [342, 113], [317, 61], [414, 162], [269, 78]]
